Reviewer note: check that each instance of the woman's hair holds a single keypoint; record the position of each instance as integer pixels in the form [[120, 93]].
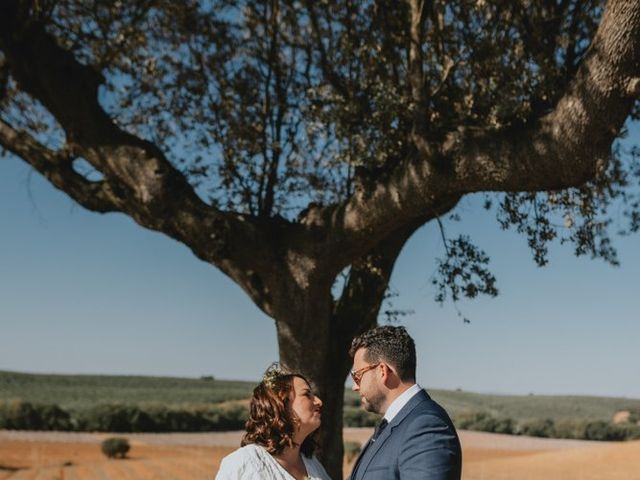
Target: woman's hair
[[272, 423]]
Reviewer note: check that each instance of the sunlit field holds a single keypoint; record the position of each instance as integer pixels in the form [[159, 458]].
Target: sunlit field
[[73, 456]]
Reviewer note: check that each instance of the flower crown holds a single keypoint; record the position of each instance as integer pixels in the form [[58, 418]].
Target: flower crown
[[272, 374]]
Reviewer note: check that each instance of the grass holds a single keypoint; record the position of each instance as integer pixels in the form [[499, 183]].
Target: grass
[[77, 392], [528, 407]]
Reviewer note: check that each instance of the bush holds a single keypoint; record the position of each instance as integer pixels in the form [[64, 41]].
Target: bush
[[174, 420], [352, 399], [19, 415], [351, 450], [538, 428], [632, 431], [357, 417], [605, 431], [576, 429], [228, 416], [113, 418], [159, 418], [485, 422], [115, 447], [634, 416]]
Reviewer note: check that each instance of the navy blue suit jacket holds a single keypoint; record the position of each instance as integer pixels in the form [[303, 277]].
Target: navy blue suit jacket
[[419, 443]]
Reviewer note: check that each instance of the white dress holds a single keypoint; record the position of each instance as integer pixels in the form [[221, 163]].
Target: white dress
[[254, 462]]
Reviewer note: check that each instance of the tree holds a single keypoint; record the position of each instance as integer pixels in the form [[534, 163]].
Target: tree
[[291, 143]]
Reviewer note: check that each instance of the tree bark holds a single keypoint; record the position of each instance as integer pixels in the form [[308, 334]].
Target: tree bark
[[315, 333]]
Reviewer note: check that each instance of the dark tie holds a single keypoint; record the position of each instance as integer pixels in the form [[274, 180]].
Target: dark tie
[[376, 433], [379, 428]]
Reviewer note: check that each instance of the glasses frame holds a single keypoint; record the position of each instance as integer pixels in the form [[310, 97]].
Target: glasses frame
[[356, 375]]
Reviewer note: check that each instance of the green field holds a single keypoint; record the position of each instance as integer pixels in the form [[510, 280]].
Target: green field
[[526, 407], [529, 407], [78, 392]]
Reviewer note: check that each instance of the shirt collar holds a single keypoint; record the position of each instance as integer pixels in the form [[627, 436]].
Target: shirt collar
[[401, 401]]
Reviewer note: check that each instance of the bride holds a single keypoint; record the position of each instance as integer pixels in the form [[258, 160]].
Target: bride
[[278, 444]]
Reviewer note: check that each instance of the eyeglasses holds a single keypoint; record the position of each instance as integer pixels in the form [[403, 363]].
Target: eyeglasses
[[356, 375]]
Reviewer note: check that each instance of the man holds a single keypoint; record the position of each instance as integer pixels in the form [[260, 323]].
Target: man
[[416, 438]]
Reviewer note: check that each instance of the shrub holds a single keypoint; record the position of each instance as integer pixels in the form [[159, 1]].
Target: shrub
[[357, 417], [55, 418], [351, 450], [632, 431], [605, 431], [634, 416], [228, 416], [506, 426], [19, 415], [115, 447], [108, 418], [576, 429], [485, 422], [352, 399], [538, 428]]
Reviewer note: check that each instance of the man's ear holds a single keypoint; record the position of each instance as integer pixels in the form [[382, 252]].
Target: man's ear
[[389, 377]]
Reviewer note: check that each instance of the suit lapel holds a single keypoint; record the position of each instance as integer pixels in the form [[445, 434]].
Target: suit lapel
[[357, 464], [371, 448]]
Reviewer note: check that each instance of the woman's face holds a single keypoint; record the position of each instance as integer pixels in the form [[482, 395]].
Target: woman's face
[[306, 406]]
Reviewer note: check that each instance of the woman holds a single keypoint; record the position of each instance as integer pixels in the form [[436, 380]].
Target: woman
[[278, 445]]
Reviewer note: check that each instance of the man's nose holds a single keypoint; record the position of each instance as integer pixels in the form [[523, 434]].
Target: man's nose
[[355, 387], [318, 401]]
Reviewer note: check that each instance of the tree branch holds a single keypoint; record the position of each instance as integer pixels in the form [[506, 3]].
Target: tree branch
[[416, 75], [329, 73], [563, 149], [57, 167], [138, 180], [357, 308]]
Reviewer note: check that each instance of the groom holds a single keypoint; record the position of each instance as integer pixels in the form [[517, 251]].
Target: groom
[[415, 439]]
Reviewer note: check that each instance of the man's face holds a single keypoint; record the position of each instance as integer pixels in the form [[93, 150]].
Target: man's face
[[367, 383]]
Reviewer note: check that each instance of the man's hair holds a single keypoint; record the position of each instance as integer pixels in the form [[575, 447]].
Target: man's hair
[[392, 345], [272, 423]]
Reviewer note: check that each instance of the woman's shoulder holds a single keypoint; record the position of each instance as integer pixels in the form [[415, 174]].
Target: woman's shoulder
[[244, 454], [243, 462]]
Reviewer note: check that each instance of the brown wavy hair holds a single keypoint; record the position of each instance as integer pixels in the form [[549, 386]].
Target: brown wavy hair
[[272, 423]]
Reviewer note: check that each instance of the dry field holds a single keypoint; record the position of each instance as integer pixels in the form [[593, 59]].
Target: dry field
[[69, 456]]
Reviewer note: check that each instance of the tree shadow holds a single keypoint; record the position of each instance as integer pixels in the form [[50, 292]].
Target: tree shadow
[[9, 468]]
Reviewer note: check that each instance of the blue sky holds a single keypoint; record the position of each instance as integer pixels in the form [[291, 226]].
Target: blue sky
[[88, 293]]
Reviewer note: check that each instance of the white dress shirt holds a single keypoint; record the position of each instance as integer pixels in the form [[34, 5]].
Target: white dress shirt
[[400, 402]]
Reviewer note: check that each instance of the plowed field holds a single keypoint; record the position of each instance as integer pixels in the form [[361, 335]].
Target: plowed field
[[67, 456]]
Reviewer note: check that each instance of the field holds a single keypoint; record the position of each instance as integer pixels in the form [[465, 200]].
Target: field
[[77, 392], [74, 456]]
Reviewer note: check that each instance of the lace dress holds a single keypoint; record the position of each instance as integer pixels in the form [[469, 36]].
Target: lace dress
[[254, 462]]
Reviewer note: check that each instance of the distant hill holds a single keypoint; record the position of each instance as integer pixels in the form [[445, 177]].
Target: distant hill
[[77, 392], [530, 407], [81, 391]]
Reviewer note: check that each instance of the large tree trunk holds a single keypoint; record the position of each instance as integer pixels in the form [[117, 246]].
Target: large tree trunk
[[312, 353], [305, 338], [315, 332]]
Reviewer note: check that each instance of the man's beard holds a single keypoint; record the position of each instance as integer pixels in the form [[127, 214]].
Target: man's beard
[[373, 402]]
